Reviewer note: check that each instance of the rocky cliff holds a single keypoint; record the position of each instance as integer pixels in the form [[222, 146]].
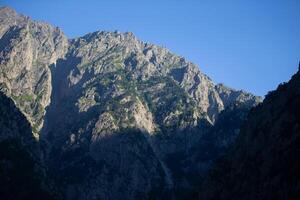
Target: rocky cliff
[[27, 49]]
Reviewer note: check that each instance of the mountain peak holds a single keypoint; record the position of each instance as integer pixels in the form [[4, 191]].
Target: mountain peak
[[7, 11], [102, 53]]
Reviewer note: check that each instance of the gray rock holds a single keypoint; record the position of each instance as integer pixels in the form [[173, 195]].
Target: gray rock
[[27, 49]]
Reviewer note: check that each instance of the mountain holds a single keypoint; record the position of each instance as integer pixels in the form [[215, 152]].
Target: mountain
[[115, 117], [264, 161]]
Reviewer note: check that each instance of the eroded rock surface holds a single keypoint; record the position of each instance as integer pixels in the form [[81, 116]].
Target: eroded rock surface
[[27, 49]]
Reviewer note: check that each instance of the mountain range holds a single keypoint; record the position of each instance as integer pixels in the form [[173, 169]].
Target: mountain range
[[107, 116]]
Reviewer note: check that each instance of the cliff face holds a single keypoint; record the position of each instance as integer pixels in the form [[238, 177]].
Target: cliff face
[[27, 49], [263, 164], [116, 117]]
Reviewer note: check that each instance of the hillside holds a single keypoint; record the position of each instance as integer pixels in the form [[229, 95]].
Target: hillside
[[264, 162]]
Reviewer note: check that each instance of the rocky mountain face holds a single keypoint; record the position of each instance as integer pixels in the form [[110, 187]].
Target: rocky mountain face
[[264, 161], [114, 116], [27, 49]]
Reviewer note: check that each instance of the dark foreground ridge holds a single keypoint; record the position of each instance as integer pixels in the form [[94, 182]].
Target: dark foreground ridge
[[264, 161], [21, 173]]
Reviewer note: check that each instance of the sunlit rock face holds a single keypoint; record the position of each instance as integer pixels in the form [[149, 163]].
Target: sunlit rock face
[[27, 49], [116, 117]]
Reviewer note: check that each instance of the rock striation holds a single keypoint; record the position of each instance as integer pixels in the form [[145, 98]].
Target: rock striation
[[27, 49]]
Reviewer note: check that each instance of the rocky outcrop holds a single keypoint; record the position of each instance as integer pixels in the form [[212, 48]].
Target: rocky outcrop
[[263, 163]]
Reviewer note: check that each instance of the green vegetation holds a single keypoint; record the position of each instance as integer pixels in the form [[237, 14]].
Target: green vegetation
[[24, 98], [85, 103], [118, 63], [171, 97]]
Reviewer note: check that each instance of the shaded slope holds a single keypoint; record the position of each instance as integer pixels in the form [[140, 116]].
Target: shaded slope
[[21, 174], [264, 163]]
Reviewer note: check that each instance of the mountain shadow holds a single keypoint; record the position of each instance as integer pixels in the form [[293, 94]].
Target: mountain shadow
[[21, 172], [264, 161]]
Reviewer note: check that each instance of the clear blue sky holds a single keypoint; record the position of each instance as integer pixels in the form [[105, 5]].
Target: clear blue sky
[[246, 44]]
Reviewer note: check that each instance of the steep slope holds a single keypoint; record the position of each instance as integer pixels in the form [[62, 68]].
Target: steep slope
[[264, 163], [192, 166], [111, 82], [112, 113], [21, 174], [27, 49]]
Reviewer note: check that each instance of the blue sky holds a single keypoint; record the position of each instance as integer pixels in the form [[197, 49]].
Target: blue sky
[[251, 45]]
